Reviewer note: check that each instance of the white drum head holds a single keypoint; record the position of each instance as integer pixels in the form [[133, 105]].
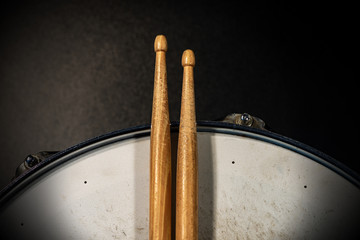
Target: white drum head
[[252, 185]]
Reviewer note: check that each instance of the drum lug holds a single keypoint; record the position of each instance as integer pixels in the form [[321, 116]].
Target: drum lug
[[32, 160], [245, 119]]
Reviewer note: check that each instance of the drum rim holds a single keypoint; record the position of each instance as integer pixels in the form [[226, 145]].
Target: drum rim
[[202, 126]]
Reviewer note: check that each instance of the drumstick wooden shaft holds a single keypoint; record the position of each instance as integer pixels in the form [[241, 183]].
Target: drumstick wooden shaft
[[187, 165], [160, 150]]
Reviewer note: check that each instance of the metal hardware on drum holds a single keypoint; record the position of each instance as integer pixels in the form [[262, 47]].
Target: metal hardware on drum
[[32, 160], [245, 119]]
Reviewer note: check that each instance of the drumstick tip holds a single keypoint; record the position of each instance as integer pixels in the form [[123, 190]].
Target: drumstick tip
[[160, 43], [188, 58]]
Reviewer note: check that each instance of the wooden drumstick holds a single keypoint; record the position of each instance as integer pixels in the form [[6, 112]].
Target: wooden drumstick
[[187, 159], [160, 150]]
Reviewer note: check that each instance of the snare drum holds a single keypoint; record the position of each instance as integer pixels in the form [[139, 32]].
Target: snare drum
[[253, 184]]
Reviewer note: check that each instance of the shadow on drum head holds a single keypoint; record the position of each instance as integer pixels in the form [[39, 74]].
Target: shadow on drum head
[[206, 185], [206, 188]]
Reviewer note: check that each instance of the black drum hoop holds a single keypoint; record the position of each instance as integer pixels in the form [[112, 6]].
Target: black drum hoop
[[16, 185]]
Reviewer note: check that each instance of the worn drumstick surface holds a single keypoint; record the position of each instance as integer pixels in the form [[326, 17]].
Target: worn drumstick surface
[[187, 159], [160, 150]]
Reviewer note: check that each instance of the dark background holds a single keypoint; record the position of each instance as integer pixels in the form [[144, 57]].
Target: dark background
[[73, 70]]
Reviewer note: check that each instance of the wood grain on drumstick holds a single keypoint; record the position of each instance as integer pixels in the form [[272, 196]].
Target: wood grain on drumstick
[[160, 150], [187, 158]]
